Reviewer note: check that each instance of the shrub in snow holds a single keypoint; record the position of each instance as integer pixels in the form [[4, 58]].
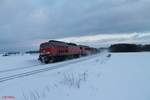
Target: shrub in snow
[[74, 80], [109, 55]]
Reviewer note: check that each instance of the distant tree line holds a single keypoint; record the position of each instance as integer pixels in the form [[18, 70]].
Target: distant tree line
[[17, 52], [32, 52], [124, 47], [11, 53]]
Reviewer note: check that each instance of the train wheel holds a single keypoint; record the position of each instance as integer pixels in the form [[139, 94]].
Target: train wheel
[[51, 60], [76, 56], [70, 57], [45, 60]]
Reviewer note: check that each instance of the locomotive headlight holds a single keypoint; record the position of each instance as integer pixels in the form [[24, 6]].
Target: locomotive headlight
[[44, 53], [48, 52]]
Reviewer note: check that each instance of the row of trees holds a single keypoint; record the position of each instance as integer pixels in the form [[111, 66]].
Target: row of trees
[[17, 52], [129, 48]]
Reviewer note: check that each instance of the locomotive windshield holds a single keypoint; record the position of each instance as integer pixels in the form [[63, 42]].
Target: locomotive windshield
[[44, 45]]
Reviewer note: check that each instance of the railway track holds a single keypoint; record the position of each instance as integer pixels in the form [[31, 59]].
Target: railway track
[[20, 68], [20, 75]]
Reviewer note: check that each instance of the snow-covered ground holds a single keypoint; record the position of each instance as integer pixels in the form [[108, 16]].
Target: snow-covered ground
[[122, 76], [20, 60]]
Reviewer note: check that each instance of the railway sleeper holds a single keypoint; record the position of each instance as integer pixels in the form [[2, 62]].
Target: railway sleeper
[[52, 59]]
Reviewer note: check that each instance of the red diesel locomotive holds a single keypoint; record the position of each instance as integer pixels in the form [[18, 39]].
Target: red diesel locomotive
[[52, 51]]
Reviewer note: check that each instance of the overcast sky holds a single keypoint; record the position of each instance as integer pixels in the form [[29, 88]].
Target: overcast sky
[[22, 22]]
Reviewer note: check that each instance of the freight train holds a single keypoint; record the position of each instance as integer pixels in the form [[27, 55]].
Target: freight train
[[53, 51]]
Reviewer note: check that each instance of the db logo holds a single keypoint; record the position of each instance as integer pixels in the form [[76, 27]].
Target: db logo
[[8, 97]]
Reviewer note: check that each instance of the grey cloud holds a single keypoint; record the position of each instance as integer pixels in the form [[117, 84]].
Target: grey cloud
[[29, 20]]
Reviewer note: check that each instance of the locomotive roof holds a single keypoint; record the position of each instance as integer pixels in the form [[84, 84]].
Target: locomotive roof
[[57, 43], [83, 46], [61, 43]]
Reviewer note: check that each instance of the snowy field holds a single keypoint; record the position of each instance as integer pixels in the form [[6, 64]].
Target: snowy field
[[122, 76]]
